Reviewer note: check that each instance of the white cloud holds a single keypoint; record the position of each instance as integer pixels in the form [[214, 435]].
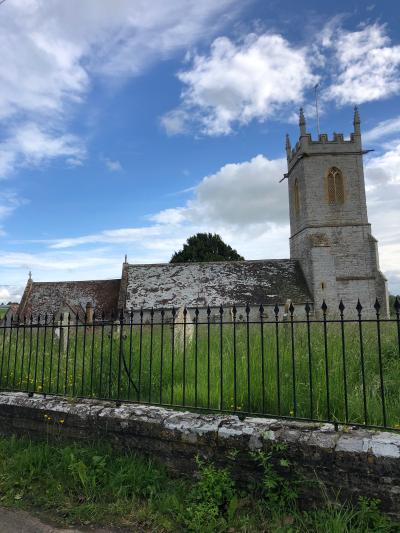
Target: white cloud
[[239, 82], [384, 169], [50, 49], [55, 265], [244, 193], [29, 145], [10, 293], [172, 216], [382, 174], [113, 165], [175, 121], [9, 202], [50, 52], [383, 129], [4, 293], [364, 66], [122, 235]]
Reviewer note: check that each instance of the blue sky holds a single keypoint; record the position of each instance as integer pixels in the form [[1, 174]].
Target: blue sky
[[128, 125]]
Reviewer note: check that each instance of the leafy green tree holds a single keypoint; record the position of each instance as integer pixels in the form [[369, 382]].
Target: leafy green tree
[[205, 247]]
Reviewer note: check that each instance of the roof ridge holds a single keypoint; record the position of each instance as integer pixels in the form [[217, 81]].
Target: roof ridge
[[246, 261], [75, 281]]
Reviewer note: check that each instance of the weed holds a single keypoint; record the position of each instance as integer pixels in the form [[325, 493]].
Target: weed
[[276, 491], [94, 484], [212, 501]]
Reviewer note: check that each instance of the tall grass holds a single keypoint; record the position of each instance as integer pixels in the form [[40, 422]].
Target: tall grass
[[288, 370]]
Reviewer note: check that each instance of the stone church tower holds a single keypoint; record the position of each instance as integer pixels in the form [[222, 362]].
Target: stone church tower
[[329, 230]]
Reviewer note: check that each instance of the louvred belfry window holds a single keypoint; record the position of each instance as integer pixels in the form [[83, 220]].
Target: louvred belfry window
[[335, 186]]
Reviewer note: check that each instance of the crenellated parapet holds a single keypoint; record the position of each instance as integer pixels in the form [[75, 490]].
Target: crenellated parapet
[[323, 144]]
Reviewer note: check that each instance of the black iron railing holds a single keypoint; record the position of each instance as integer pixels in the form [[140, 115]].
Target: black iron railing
[[240, 360]]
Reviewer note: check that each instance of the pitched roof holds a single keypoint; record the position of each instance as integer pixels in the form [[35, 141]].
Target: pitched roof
[[52, 297], [214, 283]]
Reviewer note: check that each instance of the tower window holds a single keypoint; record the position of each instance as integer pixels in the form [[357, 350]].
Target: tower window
[[296, 197], [335, 186]]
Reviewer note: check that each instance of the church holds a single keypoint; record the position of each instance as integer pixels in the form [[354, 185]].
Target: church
[[333, 255]]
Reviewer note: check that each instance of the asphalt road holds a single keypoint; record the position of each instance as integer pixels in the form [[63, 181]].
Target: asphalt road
[[12, 521]]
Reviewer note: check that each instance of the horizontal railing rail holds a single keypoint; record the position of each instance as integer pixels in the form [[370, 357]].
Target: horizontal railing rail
[[288, 363]]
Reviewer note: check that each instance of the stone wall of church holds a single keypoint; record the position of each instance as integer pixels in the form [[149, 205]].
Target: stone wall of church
[[341, 264]]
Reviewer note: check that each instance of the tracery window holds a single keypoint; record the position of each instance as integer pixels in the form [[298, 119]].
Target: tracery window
[[335, 186], [296, 197]]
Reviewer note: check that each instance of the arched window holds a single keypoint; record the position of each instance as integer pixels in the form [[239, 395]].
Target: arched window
[[335, 186], [296, 197]]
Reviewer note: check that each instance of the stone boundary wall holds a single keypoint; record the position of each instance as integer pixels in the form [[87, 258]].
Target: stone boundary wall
[[349, 462]]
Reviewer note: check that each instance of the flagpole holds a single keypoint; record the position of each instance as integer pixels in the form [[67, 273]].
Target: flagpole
[[316, 107]]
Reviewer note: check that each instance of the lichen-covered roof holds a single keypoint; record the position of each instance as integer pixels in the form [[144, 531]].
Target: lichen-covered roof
[[72, 296], [215, 283]]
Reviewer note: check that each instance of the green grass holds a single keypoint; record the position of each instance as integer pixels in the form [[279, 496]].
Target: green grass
[[95, 485], [225, 374], [3, 312]]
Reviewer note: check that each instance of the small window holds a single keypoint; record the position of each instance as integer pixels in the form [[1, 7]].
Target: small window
[[335, 186], [296, 197]]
